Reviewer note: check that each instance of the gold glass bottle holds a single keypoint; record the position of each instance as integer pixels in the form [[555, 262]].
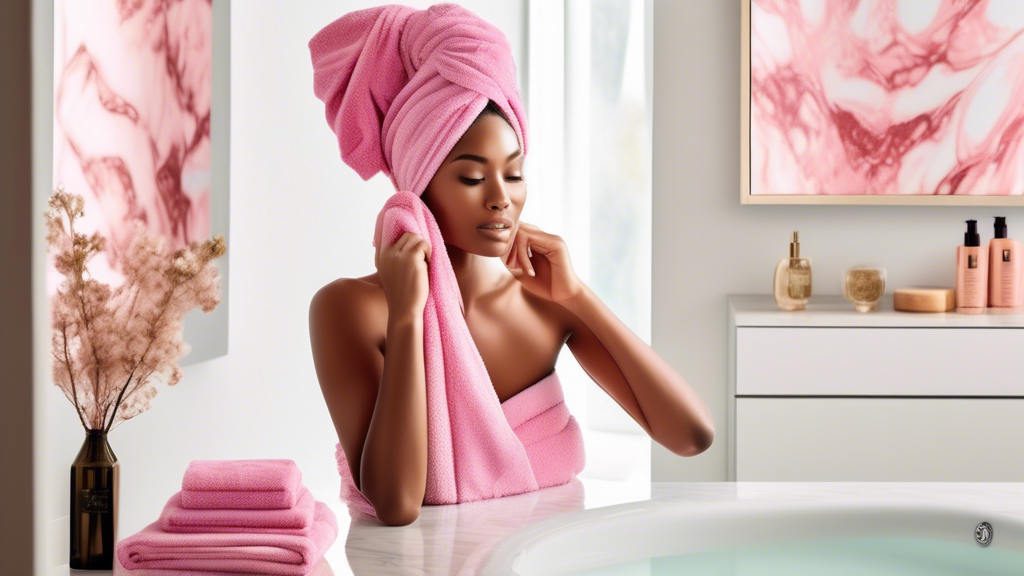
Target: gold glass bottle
[[793, 278]]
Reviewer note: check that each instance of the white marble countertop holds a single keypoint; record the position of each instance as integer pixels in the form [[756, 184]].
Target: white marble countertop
[[834, 310], [457, 539]]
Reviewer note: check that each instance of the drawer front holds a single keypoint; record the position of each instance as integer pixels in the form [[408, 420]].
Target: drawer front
[[880, 361], [880, 439]]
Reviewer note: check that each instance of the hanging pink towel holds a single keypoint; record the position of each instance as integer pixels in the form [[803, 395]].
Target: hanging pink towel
[[278, 554], [267, 483], [541, 421], [295, 520]]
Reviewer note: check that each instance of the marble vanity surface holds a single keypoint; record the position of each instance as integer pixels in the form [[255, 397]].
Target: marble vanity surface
[[457, 539], [831, 310]]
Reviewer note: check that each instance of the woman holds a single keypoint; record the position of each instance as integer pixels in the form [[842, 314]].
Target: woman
[[367, 333]]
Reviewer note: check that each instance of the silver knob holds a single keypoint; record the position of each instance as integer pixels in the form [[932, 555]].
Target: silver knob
[[983, 533]]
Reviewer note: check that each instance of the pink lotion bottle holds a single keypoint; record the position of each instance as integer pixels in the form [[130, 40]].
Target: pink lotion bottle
[[971, 272], [1004, 270]]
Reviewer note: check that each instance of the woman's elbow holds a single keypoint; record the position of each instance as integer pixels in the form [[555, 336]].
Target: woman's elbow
[[398, 515], [704, 439], [695, 443]]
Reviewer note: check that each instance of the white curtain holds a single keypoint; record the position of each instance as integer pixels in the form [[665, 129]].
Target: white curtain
[[588, 93]]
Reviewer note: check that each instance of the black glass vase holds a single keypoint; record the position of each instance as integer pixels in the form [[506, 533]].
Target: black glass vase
[[94, 490]]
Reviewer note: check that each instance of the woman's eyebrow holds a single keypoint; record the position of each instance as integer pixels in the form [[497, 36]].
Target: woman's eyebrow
[[483, 160]]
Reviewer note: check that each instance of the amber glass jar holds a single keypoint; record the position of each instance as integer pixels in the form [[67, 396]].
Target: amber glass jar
[[94, 491]]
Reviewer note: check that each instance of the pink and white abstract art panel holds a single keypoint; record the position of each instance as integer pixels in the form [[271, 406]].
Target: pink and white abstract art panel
[[887, 97], [141, 100], [132, 100]]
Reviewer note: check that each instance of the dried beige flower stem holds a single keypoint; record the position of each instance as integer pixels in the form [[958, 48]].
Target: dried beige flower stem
[[117, 403], [120, 395], [109, 344], [71, 375]]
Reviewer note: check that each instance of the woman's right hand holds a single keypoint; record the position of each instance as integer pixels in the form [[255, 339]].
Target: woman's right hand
[[403, 273]]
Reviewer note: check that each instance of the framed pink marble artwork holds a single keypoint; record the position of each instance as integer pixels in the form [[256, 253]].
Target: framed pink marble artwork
[[882, 102], [140, 130]]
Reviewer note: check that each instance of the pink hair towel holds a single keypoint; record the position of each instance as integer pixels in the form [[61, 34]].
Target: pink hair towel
[[245, 553], [296, 520], [400, 87], [244, 484]]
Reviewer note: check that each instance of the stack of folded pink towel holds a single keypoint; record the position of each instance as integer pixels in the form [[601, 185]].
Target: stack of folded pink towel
[[244, 516]]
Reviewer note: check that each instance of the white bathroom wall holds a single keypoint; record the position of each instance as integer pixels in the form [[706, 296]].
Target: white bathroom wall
[[706, 245]]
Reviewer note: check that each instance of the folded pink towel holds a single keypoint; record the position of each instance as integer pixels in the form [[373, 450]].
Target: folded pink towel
[[295, 520], [279, 554], [244, 484], [540, 419], [322, 568]]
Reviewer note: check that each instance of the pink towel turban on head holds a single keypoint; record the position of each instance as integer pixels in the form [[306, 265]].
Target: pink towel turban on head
[[401, 86]]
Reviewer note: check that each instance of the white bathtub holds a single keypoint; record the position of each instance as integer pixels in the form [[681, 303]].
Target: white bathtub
[[860, 529]]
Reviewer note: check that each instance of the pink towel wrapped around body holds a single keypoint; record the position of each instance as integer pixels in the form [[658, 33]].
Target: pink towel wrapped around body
[[243, 553], [295, 520], [541, 421], [270, 483]]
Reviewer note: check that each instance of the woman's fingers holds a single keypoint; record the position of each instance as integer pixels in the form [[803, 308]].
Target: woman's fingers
[[521, 253], [513, 261], [401, 243], [510, 257]]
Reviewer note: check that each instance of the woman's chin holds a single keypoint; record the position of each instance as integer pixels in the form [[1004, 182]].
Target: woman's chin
[[491, 251], [484, 247]]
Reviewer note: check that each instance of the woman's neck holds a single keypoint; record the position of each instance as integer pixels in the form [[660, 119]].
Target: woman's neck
[[476, 274]]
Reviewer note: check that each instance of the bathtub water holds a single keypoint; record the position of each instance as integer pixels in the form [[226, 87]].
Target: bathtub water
[[820, 537], [833, 557]]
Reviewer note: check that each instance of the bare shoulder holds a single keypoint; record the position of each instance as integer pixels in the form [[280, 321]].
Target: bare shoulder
[[350, 308], [557, 318], [346, 337]]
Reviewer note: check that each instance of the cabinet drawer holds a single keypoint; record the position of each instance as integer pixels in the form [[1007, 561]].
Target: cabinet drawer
[[879, 361], [880, 439]]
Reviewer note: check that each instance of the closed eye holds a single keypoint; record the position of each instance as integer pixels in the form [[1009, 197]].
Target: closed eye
[[473, 182]]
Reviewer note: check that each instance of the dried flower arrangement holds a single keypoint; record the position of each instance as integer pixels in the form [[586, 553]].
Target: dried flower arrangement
[[110, 347]]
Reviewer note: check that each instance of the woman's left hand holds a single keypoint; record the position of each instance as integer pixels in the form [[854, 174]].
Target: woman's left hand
[[532, 249]]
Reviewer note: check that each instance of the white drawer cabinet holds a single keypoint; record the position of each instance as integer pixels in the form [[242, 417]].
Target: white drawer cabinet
[[830, 394]]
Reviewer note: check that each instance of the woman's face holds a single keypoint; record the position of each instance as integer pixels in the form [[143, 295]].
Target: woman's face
[[480, 180]]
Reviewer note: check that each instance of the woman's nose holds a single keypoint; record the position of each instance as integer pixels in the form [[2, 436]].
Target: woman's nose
[[498, 198]]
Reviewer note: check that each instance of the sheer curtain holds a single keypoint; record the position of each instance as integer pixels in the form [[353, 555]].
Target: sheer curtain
[[588, 89]]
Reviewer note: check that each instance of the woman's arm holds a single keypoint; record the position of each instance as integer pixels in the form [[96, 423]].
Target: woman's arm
[[394, 460], [624, 365], [377, 402], [654, 394]]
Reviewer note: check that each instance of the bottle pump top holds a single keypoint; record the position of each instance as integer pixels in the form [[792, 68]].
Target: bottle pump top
[[1000, 226], [971, 237], [794, 246]]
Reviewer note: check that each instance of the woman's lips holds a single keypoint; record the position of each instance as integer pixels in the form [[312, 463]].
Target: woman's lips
[[495, 233]]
